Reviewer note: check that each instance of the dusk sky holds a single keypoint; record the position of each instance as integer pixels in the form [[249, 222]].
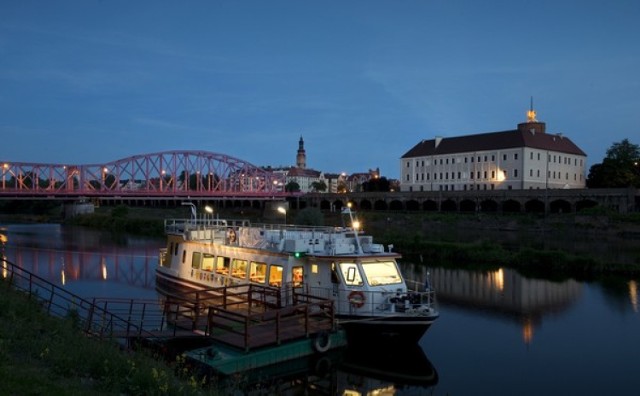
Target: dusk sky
[[88, 82]]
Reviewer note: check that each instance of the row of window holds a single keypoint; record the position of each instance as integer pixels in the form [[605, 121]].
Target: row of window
[[559, 159], [254, 271], [452, 176]]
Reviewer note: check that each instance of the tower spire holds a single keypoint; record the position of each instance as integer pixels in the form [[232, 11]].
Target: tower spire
[[531, 114]]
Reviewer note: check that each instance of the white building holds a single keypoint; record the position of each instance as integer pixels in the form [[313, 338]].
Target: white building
[[525, 158]]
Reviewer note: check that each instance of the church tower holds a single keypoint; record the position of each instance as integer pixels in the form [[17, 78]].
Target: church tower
[[301, 158]]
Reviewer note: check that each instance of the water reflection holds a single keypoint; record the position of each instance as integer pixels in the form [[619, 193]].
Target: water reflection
[[87, 262], [348, 372], [503, 292]]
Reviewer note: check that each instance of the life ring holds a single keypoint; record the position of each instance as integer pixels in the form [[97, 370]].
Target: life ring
[[356, 298], [322, 343], [231, 235]]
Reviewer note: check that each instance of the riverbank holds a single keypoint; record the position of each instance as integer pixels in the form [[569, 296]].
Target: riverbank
[[44, 355]]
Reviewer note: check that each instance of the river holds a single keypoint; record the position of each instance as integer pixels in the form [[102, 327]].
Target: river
[[499, 333]]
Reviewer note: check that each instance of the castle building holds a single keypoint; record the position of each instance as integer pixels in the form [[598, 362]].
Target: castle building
[[524, 158]]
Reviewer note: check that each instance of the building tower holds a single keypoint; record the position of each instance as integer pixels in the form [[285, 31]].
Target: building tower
[[301, 158]]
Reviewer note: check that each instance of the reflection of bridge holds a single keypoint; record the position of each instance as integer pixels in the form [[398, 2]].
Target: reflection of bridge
[[166, 174]]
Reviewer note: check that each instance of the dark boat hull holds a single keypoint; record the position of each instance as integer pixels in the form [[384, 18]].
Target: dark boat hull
[[392, 330]]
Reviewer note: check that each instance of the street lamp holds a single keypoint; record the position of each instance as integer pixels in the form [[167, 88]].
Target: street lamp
[[284, 212], [209, 210]]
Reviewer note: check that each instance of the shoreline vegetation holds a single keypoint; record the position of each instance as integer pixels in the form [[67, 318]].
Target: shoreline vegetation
[[44, 355]]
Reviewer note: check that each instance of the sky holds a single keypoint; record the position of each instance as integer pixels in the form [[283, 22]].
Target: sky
[[94, 81]]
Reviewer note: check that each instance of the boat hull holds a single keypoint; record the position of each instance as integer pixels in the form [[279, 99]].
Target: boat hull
[[391, 330]]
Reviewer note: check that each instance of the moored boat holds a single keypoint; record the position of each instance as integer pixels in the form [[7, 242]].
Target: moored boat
[[371, 298]]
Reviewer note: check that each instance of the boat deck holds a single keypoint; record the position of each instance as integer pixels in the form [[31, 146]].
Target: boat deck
[[249, 317]]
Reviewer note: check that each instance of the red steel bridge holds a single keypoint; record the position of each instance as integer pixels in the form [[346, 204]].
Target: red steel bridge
[[163, 174]]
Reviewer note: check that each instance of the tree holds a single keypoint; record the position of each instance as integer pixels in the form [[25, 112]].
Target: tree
[[620, 168], [319, 186], [292, 187], [376, 184]]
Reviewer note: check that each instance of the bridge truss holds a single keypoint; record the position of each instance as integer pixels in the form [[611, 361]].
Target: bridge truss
[[170, 173]]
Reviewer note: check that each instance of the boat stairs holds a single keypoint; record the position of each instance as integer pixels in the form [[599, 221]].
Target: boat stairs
[[228, 328]]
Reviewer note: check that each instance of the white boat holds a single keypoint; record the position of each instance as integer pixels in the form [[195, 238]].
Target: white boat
[[371, 298]]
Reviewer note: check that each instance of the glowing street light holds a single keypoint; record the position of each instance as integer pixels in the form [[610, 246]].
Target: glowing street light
[[284, 212]]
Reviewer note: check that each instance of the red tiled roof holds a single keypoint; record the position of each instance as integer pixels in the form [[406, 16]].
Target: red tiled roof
[[495, 141]]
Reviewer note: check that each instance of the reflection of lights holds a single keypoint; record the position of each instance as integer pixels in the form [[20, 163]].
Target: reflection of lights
[[527, 331], [356, 225], [497, 279], [501, 175], [633, 295], [5, 270], [103, 264], [3, 238]]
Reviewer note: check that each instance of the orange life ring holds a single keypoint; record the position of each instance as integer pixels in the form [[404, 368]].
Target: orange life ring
[[356, 298]]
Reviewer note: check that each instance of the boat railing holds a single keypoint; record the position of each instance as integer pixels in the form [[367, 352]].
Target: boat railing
[[376, 302]]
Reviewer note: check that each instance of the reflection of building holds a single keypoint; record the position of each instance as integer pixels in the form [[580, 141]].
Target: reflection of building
[[525, 158], [505, 292]]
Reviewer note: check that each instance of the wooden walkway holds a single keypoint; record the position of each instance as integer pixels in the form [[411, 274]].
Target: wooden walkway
[[249, 317]]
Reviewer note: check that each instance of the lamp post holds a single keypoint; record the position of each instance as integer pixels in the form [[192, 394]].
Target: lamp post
[[284, 212], [4, 174], [209, 210]]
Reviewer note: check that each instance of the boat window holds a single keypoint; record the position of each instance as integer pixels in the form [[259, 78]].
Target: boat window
[[297, 276], [222, 265], [382, 273], [175, 249], [239, 268], [258, 272], [275, 275], [207, 262], [351, 274], [184, 256], [196, 258]]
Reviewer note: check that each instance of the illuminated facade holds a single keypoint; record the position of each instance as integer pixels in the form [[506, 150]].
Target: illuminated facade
[[524, 158]]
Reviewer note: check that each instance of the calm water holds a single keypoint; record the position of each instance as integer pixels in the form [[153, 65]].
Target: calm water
[[499, 333]]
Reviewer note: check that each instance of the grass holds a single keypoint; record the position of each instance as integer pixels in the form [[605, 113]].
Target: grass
[[44, 355]]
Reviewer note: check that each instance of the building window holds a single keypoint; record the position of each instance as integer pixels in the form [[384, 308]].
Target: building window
[[493, 157], [407, 177], [515, 156], [408, 164], [447, 175], [471, 175], [458, 175], [465, 160], [435, 176], [493, 174], [538, 172], [485, 174], [485, 158], [504, 157], [505, 174], [447, 161], [538, 156], [472, 160], [478, 158], [478, 175], [531, 157], [531, 172], [515, 173]]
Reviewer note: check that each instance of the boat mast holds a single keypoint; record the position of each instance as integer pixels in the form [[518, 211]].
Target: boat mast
[[355, 224]]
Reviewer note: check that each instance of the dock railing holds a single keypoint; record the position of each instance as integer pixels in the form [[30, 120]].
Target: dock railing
[[118, 319]]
